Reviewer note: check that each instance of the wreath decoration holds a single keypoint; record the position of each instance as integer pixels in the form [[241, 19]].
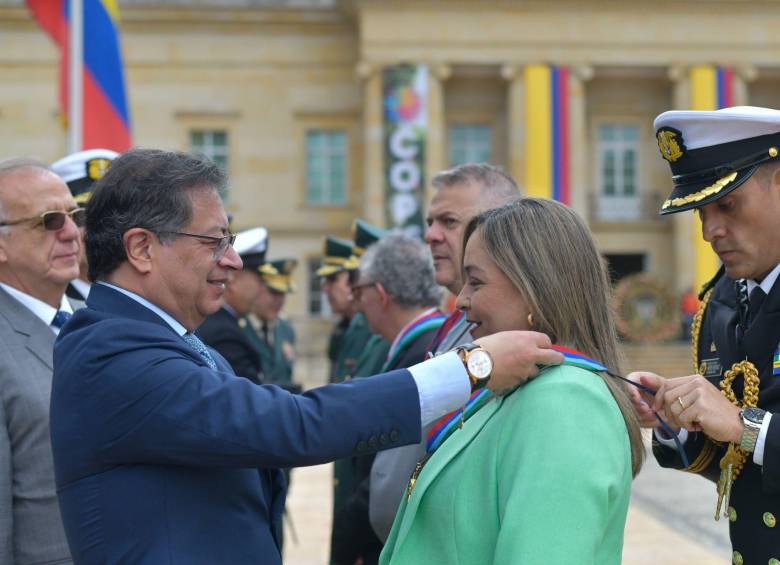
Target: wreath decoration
[[646, 311]]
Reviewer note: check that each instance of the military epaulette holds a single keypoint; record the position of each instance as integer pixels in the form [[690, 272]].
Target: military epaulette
[[710, 283]]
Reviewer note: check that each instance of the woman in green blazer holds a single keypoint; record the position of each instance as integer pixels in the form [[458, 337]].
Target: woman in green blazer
[[543, 474]]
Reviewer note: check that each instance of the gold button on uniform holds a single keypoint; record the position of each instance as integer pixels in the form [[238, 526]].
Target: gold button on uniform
[[736, 558], [769, 519], [732, 514]]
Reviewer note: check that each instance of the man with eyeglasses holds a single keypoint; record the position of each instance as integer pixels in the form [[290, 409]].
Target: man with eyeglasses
[[80, 170], [161, 453], [39, 246]]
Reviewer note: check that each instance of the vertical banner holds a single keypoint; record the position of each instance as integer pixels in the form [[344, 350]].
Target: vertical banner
[[711, 88], [105, 116], [547, 157], [405, 92]]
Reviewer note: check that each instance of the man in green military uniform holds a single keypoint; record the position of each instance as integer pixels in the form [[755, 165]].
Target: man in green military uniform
[[725, 166], [338, 262], [274, 335], [362, 355]]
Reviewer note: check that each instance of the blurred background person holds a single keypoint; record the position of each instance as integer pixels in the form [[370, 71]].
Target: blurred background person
[[364, 355], [225, 330], [40, 244], [338, 262], [80, 171], [276, 335], [397, 292]]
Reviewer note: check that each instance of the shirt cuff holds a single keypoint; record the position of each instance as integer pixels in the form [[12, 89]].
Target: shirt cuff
[[758, 452], [660, 435], [443, 385]]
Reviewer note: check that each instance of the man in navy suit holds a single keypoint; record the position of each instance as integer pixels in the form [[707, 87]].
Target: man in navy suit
[[163, 455]]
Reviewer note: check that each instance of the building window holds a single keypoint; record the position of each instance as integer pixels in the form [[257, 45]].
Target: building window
[[469, 144], [318, 302], [326, 167], [214, 145], [618, 147]]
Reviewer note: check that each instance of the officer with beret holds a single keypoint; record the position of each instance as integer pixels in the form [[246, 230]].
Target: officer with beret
[[274, 335], [80, 171], [725, 166], [226, 329]]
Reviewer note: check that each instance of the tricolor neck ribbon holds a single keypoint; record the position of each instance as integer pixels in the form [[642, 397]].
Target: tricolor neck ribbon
[[429, 320], [572, 357], [442, 429], [451, 321]]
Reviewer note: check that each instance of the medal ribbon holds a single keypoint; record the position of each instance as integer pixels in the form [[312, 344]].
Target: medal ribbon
[[449, 423], [432, 319], [572, 357]]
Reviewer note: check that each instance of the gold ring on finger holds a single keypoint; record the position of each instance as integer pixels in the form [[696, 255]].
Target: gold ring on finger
[[680, 402]]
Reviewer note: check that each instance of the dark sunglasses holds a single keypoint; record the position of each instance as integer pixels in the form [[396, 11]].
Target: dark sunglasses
[[53, 220]]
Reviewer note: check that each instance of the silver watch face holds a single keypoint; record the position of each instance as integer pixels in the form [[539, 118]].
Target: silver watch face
[[753, 415], [479, 364]]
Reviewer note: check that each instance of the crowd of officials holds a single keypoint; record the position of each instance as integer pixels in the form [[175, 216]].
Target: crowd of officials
[[139, 337]]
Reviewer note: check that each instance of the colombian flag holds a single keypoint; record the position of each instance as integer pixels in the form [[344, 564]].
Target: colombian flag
[[547, 132], [106, 117]]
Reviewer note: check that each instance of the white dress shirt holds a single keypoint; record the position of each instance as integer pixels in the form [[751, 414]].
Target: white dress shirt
[[38, 307]]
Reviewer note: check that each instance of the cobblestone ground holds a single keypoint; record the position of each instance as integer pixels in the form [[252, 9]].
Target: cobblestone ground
[[670, 521]]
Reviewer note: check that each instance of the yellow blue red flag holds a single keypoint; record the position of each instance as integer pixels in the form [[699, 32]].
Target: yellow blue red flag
[[106, 118]]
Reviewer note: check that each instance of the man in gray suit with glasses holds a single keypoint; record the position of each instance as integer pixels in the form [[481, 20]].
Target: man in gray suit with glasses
[[39, 244]]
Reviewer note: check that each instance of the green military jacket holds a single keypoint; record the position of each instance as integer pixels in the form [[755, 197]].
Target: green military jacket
[[362, 355], [277, 353]]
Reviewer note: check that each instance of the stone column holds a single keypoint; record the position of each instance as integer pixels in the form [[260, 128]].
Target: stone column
[[513, 74], [743, 75], [373, 204], [436, 139], [578, 139]]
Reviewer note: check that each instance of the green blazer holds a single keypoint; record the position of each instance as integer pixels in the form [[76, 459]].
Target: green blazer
[[540, 476]]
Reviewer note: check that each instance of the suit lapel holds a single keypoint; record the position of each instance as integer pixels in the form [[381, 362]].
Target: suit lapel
[[39, 338], [451, 447]]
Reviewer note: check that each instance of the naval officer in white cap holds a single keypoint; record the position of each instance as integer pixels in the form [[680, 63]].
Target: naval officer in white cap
[[725, 166]]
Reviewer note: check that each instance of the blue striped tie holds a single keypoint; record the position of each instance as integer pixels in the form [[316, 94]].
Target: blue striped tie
[[198, 346], [60, 318]]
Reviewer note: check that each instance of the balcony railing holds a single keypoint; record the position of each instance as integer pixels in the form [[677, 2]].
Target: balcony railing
[[641, 207]]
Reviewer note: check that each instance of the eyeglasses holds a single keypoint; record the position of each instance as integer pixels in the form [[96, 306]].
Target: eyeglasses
[[53, 220], [357, 289], [222, 243]]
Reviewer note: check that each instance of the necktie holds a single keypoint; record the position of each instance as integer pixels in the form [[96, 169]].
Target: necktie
[[198, 346], [60, 318], [757, 297], [264, 328], [743, 302]]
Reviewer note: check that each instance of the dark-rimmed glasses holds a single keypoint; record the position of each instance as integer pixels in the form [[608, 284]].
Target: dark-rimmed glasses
[[222, 243], [53, 220], [357, 289]]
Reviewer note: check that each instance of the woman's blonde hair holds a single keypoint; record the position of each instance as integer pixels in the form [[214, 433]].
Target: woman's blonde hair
[[548, 253]]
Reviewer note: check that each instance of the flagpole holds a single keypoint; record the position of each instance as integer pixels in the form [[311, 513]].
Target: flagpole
[[76, 76]]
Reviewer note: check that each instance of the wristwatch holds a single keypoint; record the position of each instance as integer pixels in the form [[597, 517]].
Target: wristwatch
[[751, 419], [478, 363]]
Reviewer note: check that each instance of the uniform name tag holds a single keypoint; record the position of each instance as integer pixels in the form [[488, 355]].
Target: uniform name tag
[[709, 368]]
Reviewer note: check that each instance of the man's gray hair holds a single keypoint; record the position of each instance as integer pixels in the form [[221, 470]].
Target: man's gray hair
[[404, 267], [9, 167], [497, 185]]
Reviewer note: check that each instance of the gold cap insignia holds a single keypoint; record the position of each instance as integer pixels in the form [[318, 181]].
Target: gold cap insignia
[[96, 168], [670, 142]]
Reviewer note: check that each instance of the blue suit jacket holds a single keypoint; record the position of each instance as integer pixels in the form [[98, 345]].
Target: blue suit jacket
[[159, 459]]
